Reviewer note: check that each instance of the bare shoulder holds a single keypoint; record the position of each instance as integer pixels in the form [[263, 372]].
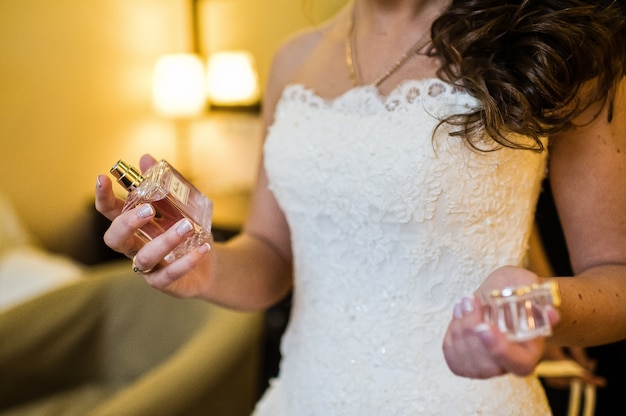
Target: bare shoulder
[[290, 56], [295, 50], [294, 54]]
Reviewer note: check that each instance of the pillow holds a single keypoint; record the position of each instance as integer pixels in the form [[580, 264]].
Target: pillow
[[12, 231], [29, 271]]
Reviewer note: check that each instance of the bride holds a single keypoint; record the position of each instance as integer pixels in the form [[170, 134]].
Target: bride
[[406, 141]]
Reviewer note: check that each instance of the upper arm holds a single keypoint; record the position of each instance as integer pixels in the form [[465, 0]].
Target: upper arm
[[588, 179]]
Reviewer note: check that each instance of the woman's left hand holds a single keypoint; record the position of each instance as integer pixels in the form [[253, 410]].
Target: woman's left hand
[[475, 349]]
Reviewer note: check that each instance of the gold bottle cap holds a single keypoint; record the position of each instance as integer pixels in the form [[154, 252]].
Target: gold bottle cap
[[127, 176]]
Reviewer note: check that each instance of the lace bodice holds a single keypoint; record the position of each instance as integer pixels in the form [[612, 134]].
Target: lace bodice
[[390, 227]]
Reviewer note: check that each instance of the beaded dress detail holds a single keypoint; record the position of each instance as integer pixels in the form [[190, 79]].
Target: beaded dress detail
[[390, 227]]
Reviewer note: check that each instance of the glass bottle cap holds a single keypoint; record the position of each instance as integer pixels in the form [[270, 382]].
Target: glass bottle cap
[[549, 289]]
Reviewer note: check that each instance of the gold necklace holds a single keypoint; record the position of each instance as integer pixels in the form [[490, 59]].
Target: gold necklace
[[351, 56]]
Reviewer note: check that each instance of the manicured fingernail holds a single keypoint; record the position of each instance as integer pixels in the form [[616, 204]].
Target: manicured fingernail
[[98, 183], [145, 211], [204, 248], [458, 311], [482, 327], [467, 304], [484, 332], [184, 227]]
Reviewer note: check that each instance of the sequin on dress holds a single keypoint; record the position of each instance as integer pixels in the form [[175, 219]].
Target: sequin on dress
[[390, 227]]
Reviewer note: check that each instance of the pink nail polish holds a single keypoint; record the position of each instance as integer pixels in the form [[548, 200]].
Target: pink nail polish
[[204, 248], [145, 211], [468, 304], [184, 227], [484, 332], [458, 311]]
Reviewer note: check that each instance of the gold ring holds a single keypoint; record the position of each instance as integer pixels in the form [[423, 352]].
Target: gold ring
[[138, 270]]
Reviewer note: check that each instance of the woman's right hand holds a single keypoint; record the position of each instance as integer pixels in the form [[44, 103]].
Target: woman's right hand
[[180, 278]]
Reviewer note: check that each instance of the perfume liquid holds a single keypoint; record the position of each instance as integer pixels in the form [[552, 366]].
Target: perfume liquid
[[173, 198]]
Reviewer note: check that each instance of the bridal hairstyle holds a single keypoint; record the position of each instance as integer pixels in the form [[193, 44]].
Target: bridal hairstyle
[[527, 61]]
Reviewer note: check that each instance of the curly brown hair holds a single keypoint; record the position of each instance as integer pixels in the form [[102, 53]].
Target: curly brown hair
[[527, 62]]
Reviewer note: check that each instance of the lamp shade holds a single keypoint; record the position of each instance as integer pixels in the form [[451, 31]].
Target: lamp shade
[[232, 79], [179, 85]]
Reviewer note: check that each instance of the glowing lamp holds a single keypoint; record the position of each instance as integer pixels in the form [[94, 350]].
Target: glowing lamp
[[179, 85], [232, 79]]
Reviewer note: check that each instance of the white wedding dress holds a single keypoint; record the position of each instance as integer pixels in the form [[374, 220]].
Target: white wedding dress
[[390, 227]]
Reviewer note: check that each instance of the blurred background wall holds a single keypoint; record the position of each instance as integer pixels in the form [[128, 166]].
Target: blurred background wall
[[75, 93]]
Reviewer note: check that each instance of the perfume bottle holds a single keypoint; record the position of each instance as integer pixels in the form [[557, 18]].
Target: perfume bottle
[[173, 198], [521, 312]]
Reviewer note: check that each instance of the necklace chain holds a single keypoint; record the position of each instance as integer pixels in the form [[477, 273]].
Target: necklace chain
[[352, 61]]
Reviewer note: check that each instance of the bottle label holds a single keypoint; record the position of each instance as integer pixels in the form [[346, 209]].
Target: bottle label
[[178, 189]]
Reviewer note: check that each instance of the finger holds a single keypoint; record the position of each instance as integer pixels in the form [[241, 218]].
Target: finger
[[121, 235], [553, 315], [106, 202], [167, 279], [152, 254], [464, 349], [467, 358], [489, 338], [146, 162], [519, 358]]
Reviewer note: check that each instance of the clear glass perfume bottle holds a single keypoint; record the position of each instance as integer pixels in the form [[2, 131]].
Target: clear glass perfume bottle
[[521, 312], [173, 198]]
